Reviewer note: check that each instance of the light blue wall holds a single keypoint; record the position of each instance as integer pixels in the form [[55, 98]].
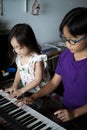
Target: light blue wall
[[46, 24]]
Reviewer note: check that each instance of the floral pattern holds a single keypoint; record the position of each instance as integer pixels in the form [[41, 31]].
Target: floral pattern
[[27, 70]]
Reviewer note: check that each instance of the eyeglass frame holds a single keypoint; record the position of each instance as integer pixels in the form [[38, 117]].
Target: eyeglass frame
[[73, 42]]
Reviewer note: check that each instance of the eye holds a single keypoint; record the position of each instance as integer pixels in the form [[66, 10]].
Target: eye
[[72, 42]]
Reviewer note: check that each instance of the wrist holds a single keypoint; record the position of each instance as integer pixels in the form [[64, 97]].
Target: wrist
[[75, 113], [34, 96], [14, 86]]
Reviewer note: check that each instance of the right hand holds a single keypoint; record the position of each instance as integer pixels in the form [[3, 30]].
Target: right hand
[[10, 90]]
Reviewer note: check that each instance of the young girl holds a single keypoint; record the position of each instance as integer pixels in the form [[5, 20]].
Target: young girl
[[31, 64], [71, 68]]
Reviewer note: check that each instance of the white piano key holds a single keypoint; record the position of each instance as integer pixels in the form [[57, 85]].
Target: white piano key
[[4, 104], [21, 116], [26, 117], [13, 111], [37, 127], [17, 113], [30, 125], [30, 119]]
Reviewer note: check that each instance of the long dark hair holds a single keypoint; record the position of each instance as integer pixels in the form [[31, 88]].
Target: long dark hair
[[76, 21], [25, 37]]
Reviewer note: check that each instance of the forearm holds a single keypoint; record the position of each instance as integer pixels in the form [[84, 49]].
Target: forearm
[[80, 111], [16, 79], [48, 88], [30, 86]]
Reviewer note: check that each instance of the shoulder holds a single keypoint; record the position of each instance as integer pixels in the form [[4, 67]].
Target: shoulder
[[17, 59], [39, 57], [65, 56], [65, 52]]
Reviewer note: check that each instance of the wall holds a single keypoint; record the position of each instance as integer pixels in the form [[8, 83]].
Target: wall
[[44, 25]]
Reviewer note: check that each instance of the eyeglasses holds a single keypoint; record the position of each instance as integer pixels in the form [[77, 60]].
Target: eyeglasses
[[73, 42]]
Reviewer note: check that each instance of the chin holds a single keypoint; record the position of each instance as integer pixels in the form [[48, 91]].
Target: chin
[[73, 51]]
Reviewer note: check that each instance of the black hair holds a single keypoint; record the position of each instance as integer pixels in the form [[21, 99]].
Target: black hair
[[25, 37], [76, 21]]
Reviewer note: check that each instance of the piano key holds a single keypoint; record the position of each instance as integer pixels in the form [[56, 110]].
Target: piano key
[[3, 102], [7, 106], [35, 125], [27, 121], [47, 128], [39, 127], [12, 109], [17, 113], [3, 105], [24, 119], [2, 98]]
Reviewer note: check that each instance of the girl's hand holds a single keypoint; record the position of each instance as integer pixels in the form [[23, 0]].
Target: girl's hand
[[10, 89], [64, 115], [17, 93]]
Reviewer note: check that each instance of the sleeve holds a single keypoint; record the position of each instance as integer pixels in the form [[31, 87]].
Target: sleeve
[[43, 58], [59, 66], [60, 63], [17, 59]]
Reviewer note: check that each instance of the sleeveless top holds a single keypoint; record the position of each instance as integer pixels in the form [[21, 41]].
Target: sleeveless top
[[27, 71]]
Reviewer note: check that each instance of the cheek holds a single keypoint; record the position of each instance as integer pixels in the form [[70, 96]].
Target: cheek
[[81, 46], [26, 52]]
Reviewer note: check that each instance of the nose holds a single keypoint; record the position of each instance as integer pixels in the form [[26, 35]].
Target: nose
[[17, 51]]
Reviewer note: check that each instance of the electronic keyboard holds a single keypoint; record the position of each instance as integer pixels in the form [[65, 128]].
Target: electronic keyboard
[[24, 117]]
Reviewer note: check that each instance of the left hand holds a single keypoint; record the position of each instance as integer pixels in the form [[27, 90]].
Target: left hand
[[64, 115]]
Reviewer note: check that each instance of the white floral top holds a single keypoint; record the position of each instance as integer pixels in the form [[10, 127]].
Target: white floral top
[[27, 72]]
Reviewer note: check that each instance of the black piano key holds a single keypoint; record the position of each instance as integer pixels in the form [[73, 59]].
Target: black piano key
[[11, 109], [39, 127], [7, 106], [1, 96], [3, 105], [49, 128], [24, 118], [17, 113], [26, 122], [3, 102], [35, 125], [12, 121], [30, 121]]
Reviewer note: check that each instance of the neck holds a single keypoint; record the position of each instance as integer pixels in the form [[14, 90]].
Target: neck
[[80, 55]]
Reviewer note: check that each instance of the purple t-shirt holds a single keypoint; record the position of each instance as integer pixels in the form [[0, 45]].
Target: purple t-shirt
[[74, 77]]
